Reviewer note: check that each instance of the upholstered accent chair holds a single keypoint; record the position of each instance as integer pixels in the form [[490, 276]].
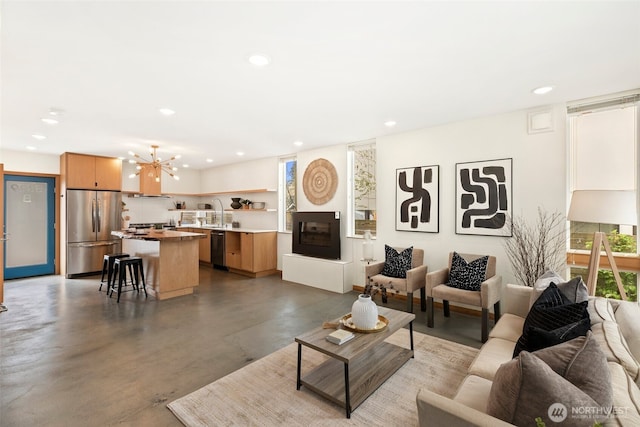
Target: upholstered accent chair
[[414, 281], [489, 293]]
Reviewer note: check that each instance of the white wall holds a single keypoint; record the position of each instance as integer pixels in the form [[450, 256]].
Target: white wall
[[155, 209], [21, 161], [254, 174], [539, 178]]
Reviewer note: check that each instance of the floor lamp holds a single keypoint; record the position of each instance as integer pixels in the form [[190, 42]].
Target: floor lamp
[[605, 207]]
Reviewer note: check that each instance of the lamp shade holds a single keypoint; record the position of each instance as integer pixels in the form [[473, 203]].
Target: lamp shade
[[604, 206]]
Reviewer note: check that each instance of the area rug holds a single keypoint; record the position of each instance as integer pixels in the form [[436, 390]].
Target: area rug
[[264, 392]]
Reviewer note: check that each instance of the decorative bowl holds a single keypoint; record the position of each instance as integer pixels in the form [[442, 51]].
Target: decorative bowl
[[381, 325]]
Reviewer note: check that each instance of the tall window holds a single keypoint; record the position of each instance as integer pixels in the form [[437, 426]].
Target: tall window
[[287, 192], [362, 188], [604, 146]]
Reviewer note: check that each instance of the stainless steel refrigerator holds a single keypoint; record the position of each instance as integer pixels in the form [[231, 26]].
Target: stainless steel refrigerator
[[91, 216]]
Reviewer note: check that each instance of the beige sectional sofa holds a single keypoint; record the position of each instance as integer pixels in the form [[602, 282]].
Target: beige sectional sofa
[[615, 327]]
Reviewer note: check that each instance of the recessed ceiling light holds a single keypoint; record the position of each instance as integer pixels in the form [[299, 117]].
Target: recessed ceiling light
[[49, 121], [542, 90], [298, 143], [259, 60], [31, 148], [390, 123], [185, 165], [240, 153], [209, 160], [167, 111], [39, 137], [55, 111]]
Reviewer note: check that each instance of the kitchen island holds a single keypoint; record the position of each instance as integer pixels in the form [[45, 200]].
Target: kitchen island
[[170, 260]]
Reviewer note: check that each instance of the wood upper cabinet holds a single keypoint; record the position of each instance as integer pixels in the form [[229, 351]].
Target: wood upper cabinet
[[253, 254], [86, 172]]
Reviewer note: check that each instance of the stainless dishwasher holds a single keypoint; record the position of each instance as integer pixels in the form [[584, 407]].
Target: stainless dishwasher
[[217, 249]]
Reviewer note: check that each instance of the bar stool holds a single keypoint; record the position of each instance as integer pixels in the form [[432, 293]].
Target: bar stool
[[107, 267], [136, 270]]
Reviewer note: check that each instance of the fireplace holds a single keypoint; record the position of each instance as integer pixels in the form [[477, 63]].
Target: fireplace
[[316, 234]]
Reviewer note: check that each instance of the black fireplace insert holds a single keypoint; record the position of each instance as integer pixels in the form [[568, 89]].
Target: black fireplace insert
[[316, 234]]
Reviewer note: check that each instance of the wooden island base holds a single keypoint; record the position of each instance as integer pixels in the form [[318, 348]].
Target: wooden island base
[[170, 261]]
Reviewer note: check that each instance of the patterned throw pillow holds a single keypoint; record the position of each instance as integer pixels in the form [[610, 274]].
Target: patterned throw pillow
[[397, 263], [467, 276], [553, 312]]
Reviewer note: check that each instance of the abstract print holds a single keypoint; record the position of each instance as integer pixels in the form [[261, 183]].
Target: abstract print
[[483, 197], [417, 199]]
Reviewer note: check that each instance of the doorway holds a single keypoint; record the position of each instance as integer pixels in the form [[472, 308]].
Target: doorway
[[29, 214]]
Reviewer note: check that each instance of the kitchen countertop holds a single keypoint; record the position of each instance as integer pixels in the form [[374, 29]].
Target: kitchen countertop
[[155, 235], [236, 230]]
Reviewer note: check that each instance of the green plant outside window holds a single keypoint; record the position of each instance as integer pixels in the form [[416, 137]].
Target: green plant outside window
[[582, 239]]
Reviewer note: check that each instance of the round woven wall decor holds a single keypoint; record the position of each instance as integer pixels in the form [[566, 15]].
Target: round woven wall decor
[[320, 181]]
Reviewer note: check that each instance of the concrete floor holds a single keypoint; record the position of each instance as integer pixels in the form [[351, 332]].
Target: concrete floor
[[70, 356]]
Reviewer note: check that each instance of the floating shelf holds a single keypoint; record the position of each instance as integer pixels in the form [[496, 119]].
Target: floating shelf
[[256, 190]]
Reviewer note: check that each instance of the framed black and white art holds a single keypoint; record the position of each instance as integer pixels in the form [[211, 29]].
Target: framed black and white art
[[484, 197], [418, 199]]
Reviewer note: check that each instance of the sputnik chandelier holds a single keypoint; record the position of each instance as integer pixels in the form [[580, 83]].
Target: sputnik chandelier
[[155, 166]]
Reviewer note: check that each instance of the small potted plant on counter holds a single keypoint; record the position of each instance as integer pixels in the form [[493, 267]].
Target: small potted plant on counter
[[246, 203]]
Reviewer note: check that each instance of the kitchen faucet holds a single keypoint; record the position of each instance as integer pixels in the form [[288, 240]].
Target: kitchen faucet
[[221, 211]]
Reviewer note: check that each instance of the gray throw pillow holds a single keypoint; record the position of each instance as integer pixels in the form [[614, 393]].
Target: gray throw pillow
[[574, 374]]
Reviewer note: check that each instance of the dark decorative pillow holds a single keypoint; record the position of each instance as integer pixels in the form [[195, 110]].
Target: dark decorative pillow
[[467, 276], [552, 311], [397, 263], [539, 338]]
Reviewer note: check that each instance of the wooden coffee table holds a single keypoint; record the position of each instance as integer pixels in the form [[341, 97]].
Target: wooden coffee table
[[358, 367]]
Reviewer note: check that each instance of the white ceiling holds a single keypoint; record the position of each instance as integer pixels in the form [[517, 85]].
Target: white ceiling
[[339, 70]]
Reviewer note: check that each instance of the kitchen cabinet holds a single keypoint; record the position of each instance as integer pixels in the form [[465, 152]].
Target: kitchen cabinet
[[81, 171], [204, 246], [251, 254]]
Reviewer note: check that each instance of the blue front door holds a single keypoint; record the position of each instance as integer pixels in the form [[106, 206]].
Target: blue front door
[[29, 216]]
